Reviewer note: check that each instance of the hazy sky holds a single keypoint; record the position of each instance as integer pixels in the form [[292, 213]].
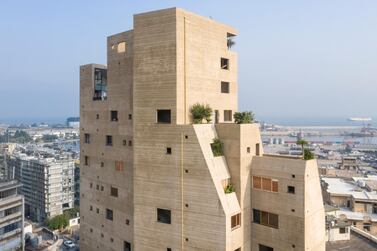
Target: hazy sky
[[297, 59]]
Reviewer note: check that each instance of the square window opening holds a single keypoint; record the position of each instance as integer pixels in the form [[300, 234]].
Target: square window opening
[[164, 216], [164, 116], [291, 189]]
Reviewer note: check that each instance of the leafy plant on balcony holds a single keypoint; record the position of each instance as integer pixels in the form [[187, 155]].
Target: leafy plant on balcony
[[229, 189], [201, 113], [217, 147], [243, 117]]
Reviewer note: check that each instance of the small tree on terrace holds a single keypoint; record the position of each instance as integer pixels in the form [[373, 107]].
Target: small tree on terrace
[[243, 117], [201, 113]]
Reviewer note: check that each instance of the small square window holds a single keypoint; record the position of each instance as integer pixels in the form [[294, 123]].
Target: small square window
[[97, 210], [227, 115], [224, 63], [111, 239], [168, 150], [109, 214], [164, 216], [163, 116], [293, 176], [102, 164], [91, 230], [114, 115], [127, 222], [130, 143], [248, 149], [291, 189], [91, 208], [102, 188], [129, 116], [109, 140], [224, 87], [97, 187], [168, 249], [86, 160], [97, 116]]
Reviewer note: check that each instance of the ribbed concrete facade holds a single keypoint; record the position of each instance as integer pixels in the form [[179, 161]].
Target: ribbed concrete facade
[[149, 178]]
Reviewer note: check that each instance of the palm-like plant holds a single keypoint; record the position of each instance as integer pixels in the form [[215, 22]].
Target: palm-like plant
[[302, 143], [230, 43]]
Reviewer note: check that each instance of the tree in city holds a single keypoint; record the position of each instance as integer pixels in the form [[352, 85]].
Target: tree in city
[[58, 222]]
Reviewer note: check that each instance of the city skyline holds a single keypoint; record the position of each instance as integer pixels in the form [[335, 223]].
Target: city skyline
[[284, 48]]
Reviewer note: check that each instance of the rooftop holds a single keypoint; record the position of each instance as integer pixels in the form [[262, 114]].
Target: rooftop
[[357, 242]]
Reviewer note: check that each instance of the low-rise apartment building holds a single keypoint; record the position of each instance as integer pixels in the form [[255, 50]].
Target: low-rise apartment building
[[11, 216], [150, 177], [357, 203]]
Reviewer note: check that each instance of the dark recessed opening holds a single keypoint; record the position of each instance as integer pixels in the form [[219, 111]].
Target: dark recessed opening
[[291, 189], [109, 140], [168, 150], [163, 116], [224, 87], [114, 115], [164, 216], [224, 63]]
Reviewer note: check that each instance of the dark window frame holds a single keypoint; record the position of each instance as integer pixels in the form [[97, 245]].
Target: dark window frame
[[114, 115], [225, 87], [164, 216], [163, 116]]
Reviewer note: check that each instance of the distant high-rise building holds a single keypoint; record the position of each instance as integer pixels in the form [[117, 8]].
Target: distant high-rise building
[[11, 216], [153, 180], [73, 122], [48, 182]]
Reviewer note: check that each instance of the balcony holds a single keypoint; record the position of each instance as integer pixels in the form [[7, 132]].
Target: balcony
[[100, 84]]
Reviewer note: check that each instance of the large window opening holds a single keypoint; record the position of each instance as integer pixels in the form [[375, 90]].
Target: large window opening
[[163, 116], [164, 216], [100, 84]]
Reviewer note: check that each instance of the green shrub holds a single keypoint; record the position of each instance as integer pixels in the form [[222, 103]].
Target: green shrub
[[229, 189], [217, 147], [201, 112], [243, 117], [308, 154]]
